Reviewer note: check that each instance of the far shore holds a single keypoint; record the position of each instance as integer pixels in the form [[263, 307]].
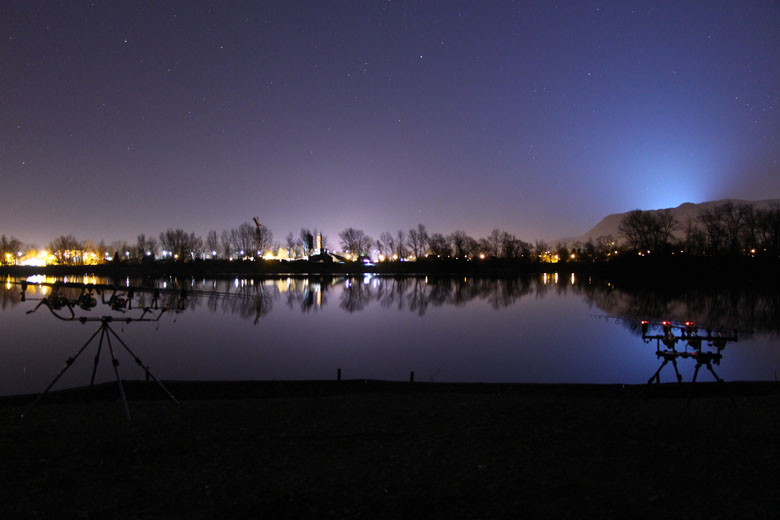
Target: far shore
[[706, 270]]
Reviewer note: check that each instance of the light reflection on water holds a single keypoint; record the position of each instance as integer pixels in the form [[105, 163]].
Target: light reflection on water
[[532, 329]]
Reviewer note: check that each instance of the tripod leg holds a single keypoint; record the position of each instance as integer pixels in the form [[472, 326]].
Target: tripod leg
[[140, 364], [97, 355], [676, 371], [709, 367], [657, 375], [115, 364], [695, 373], [68, 363]]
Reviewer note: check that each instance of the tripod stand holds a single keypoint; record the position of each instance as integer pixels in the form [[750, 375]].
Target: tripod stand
[[668, 356], [105, 332], [689, 334]]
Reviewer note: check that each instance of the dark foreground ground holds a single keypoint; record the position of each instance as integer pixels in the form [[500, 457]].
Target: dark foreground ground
[[380, 450]]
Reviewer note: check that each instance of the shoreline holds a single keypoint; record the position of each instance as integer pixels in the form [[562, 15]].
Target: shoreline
[[200, 390], [691, 271]]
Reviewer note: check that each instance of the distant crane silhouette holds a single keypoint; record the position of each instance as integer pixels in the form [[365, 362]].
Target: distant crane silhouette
[[258, 230]]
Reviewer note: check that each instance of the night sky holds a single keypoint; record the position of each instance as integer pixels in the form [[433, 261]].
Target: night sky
[[539, 118]]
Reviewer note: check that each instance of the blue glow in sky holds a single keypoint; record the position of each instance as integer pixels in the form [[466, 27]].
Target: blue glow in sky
[[539, 118]]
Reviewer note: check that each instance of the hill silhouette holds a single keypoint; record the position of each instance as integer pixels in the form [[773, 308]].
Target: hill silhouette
[[688, 210]]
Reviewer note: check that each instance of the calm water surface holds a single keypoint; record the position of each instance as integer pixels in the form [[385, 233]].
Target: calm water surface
[[541, 329]]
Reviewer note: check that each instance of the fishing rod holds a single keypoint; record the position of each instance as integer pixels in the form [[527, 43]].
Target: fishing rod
[[685, 326]]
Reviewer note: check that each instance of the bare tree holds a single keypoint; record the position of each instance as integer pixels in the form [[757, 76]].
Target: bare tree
[[633, 226], [769, 229], [386, 244], [226, 243], [494, 241], [666, 224], [63, 247], [120, 250], [243, 239], [292, 245], [695, 241], [734, 219], [562, 252], [462, 244], [263, 239], [145, 246], [512, 247], [194, 246], [588, 252], [648, 230], [418, 240], [605, 246], [713, 230], [355, 241], [9, 249], [439, 245], [541, 251], [472, 247], [485, 248], [400, 244], [212, 243], [181, 245], [102, 250]]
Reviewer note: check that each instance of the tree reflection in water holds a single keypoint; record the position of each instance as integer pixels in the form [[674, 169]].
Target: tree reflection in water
[[743, 308]]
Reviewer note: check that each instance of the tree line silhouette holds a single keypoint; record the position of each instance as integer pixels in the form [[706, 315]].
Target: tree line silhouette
[[727, 229]]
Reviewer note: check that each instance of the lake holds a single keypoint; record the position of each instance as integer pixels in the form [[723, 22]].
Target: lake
[[546, 328]]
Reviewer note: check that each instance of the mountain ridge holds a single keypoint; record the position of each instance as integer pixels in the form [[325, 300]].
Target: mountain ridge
[[609, 224]]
